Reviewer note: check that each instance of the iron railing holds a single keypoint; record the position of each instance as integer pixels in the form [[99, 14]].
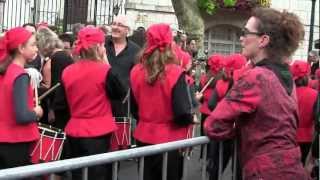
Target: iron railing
[[112, 157], [59, 13], [115, 157]]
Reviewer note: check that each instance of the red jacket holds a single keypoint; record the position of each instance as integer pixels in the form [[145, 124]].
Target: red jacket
[[306, 100], [84, 84], [10, 130], [156, 124], [204, 109], [264, 116]]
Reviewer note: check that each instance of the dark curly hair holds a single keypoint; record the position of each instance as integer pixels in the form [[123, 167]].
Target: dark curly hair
[[284, 29]]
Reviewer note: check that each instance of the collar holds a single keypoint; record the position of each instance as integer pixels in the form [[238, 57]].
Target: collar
[[281, 71]]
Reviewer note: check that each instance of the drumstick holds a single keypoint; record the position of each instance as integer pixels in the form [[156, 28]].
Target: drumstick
[[127, 97], [36, 95], [207, 84], [49, 91]]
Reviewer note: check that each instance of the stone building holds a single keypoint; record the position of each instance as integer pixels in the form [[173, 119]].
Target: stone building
[[223, 28]]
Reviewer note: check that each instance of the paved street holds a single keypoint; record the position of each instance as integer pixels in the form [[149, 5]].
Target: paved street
[[128, 169]]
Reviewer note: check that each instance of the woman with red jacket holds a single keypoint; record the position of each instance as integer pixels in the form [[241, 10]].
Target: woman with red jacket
[[18, 128], [89, 85], [160, 101], [307, 103], [261, 108]]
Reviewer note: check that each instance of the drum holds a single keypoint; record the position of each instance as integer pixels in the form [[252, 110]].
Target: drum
[[121, 138], [191, 132], [187, 152], [49, 146]]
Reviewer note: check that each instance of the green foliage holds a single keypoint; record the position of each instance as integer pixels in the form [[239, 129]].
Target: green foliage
[[210, 6], [229, 3], [207, 5]]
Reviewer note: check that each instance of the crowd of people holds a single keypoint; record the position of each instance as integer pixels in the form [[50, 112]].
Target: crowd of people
[[101, 76]]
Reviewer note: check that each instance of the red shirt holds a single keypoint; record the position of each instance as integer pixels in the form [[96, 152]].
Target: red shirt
[[10, 130], [306, 100], [156, 124], [85, 83]]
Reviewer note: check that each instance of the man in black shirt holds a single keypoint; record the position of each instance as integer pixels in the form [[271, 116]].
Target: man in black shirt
[[313, 60], [121, 54]]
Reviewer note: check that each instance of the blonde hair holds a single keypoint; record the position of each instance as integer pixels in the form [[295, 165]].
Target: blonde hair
[[48, 41], [91, 53]]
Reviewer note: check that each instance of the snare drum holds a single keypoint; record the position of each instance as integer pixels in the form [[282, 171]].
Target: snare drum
[[49, 146], [121, 138], [191, 131]]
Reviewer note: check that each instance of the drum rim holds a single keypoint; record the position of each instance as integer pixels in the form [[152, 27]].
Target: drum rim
[[49, 128]]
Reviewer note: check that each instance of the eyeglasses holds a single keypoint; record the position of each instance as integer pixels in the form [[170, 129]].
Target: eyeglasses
[[119, 25], [245, 32]]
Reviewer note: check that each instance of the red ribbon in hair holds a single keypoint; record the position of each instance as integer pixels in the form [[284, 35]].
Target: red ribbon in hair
[[215, 63], [159, 36], [87, 37], [12, 39], [300, 69], [42, 24]]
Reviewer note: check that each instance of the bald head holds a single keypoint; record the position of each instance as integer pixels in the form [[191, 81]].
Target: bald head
[[120, 27], [122, 20]]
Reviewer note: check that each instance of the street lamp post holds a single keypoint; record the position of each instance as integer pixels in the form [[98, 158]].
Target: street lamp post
[[311, 25]]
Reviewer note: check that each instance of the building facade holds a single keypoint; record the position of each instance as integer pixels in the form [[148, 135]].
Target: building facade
[[223, 28]]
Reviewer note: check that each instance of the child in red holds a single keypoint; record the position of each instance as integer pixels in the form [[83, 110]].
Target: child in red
[[18, 128], [215, 65], [307, 102], [89, 85], [160, 101], [232, 67]]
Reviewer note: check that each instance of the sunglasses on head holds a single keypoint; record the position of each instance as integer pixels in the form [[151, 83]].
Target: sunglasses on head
[[245, 32], [119, 25]]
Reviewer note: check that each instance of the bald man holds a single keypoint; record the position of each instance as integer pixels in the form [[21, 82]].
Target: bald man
[[121, 54]]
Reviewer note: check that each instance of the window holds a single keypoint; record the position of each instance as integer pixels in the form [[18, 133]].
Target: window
[[223, 39]]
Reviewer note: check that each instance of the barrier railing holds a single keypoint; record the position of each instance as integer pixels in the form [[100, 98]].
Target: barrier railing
[[111, 157]]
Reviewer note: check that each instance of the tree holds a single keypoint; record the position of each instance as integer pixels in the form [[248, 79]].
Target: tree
[[189, 15], [190, 19]]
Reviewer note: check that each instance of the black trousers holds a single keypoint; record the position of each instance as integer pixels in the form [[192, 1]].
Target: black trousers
[[119, 109], [89, 146], [14, 154], [203, 118], [214, 157], [304, 148], [153, 165]]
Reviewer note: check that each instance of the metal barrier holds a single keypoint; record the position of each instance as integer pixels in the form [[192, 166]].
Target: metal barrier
[[116, 156], [112, 157]]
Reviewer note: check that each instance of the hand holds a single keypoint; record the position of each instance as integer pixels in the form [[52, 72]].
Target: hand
[[105, 58], [38, 110], [51, 116], [199, 96]]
